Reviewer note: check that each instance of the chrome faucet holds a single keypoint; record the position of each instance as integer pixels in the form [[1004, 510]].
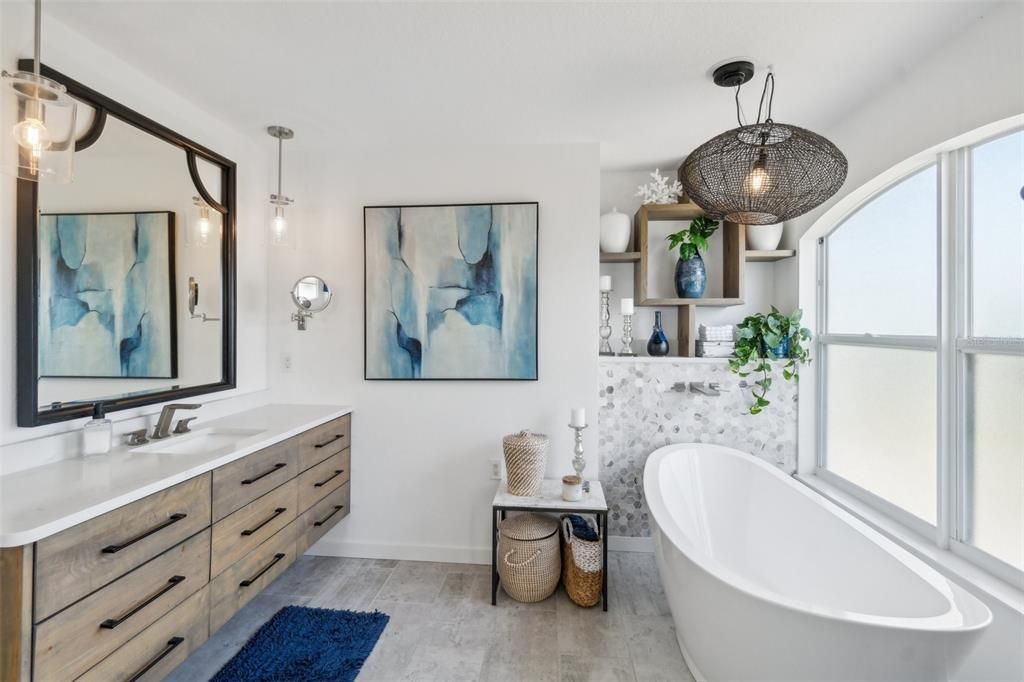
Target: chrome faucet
[[163, 424]]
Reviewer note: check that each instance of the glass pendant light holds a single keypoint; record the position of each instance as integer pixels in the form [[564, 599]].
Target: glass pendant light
[[765, 172], [45, 131], [281, 233]]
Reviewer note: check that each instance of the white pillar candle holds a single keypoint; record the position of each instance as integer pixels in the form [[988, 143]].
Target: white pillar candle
[[606, 283], [627, 306], [578, 417]]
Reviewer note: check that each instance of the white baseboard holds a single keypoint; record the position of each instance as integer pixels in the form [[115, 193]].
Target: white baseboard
[[369, 550], [621, 543], [453, 555]]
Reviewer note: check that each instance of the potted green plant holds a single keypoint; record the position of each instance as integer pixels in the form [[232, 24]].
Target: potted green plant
[[762, 338], [691, 276]]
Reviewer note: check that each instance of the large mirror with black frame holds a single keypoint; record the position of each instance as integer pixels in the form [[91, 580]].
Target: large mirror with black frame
[[125, 275]]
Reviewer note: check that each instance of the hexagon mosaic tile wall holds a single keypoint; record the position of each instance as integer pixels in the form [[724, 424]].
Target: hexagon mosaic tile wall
[[639, 413]]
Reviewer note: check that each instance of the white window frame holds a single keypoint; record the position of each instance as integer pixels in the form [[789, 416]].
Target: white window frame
[[951, 344]]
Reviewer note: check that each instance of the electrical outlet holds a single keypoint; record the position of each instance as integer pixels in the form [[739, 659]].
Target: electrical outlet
[[496, 469], [286, 362]]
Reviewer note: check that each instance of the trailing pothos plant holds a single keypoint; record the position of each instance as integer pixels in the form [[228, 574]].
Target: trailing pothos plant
[[758, 339], [693, 238]]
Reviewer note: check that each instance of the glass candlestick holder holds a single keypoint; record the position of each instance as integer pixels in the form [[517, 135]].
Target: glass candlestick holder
[[627, 336], [605, 330]]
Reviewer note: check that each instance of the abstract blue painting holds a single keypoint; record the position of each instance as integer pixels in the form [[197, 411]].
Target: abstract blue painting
[[451, 291], [106, 295]]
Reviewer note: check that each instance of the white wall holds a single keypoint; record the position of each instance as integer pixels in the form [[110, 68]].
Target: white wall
[[422, 451], [87, 62]]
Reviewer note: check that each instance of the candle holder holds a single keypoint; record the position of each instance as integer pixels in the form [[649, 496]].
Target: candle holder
[[578, 463], [627, 336], [606, 326]]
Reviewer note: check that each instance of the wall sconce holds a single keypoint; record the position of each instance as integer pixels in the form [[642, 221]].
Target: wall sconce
[[280, 232], [202, 226]]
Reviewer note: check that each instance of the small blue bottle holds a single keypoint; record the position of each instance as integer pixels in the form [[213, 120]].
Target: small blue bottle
[[657, 347]]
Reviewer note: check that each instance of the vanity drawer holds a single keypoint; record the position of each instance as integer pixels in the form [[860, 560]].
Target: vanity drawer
[[242, 531], [74, 640], [321, 442], [323, 516], [243, 580], [242, 481], [84, 558], [160, 648], [323, 478]]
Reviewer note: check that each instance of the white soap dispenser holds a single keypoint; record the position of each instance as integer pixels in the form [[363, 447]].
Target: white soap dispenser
[[97, 433]]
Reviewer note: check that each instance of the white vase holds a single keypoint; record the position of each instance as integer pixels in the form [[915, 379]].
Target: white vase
[[616, 229], [764, 237]]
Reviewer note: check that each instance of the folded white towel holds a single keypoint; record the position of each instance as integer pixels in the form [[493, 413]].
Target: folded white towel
[[717, 333]]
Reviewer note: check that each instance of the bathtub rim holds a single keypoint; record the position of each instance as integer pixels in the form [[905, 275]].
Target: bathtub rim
[[954, 619]]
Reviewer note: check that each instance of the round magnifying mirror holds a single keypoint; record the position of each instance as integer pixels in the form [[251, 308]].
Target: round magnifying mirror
[[310, 295]]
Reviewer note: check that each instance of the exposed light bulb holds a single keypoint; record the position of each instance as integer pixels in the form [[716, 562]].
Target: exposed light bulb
[[203, 226], [32, 135], [758, 180], [278, 227]]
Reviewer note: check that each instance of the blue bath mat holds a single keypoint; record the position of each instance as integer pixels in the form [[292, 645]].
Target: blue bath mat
[[301, 643]]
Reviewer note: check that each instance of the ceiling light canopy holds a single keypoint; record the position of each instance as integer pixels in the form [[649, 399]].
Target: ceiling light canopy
[[765, 172], [45, 131]]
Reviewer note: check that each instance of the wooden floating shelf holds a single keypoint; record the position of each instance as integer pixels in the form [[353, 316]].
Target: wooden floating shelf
[[695, 302], [628, 257], [767, 256]]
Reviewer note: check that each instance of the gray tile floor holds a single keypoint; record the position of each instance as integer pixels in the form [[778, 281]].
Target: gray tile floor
[[444, 628]]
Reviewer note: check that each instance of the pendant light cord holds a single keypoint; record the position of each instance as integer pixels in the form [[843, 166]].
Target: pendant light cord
[[769, 78], [280, 146], [39, 33]]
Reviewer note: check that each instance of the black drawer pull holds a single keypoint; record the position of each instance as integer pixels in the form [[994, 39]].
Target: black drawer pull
[[111, 623], [171, 645], [277, 512], [337, 508], [250, 581], [337, 472], [250, 481], [171, 520], [328, 442]]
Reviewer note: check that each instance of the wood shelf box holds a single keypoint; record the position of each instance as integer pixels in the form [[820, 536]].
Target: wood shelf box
[[627, 257], [768, 256]]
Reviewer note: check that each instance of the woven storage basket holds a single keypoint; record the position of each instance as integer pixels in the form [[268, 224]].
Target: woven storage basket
[[581, 567], [525, 460], [528, 560]]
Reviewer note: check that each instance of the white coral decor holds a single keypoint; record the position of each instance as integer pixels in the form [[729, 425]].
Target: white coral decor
[[659, 191]]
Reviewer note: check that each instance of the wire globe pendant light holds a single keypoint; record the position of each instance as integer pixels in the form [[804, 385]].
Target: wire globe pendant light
[[765, 172]]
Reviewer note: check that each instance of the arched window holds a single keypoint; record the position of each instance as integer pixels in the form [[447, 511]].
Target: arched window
[[920, 330]]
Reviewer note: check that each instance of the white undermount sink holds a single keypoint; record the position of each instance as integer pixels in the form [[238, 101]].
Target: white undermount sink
[[199, 441]]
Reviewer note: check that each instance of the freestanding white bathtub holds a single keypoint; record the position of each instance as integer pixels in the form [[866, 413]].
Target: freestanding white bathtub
[[769, 581]]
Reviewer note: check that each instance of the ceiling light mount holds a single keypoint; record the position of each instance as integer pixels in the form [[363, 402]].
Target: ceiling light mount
[[733, 74]]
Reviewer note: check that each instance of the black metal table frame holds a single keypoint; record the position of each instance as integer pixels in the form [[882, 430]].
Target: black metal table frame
[[498, 514]]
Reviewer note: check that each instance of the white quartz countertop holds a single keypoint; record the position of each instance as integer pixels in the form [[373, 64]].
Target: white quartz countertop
[[39, 502]]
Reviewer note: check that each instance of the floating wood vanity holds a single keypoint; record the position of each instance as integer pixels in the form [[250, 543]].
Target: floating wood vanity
[[128, 593]]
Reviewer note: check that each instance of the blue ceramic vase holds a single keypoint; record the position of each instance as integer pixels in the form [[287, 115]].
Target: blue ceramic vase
[[657, 346], [691, 277], [779, 352]]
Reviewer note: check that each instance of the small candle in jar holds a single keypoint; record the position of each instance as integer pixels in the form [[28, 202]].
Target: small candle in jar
[[627, 306], [578, 417], [606, 283]]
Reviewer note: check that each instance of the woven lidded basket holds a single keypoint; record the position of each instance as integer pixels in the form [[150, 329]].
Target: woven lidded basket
[[528, 560], [525, 460], [581, 565]]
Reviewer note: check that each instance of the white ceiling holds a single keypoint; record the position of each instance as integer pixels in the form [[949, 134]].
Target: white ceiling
[[632, 76]]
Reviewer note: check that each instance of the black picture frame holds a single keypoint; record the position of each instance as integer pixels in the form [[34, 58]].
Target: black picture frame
[[536, 308], [29, 413], [173, 297]]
